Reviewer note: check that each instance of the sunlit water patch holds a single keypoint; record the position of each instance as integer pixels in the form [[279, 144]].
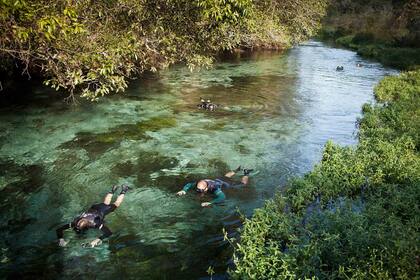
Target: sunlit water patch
[[276, 111]]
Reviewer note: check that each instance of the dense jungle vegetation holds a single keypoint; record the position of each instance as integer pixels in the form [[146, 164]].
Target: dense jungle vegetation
[[386, 30], [94, 47], [356, 215]]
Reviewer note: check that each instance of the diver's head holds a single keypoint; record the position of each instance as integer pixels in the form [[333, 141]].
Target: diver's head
[[202, 186], [82, 225]]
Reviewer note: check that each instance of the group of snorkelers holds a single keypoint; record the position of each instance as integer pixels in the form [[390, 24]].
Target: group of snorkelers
[[94, 217]]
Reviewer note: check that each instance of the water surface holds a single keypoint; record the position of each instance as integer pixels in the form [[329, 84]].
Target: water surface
[[276, 113]]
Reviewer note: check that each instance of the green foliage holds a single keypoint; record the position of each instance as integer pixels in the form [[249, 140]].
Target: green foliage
[[385, 30], [394, 23], [210, 271], [94, 47], [345, 40], [221, 11], [402, 58], [401, 119], [356, 215]]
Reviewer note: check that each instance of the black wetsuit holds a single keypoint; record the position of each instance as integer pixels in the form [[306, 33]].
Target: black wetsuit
[[95, 215]]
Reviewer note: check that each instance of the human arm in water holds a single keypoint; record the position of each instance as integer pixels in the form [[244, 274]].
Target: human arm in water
[[186, 188], [106, 232], [60, 234], [220, 197]]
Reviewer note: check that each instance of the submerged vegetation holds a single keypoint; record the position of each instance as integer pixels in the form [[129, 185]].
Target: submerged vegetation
[[93, 47], [356, 215]]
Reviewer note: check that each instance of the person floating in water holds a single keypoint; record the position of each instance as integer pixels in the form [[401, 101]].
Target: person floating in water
[[339, 68], [206, 105], [214, 187], [94, 218]]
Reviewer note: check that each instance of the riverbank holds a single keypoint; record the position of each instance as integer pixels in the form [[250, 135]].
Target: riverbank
[[356, 214], [387, 31], [403, 58]]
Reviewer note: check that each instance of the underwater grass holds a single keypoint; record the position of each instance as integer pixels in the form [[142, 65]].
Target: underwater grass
[[97, 144]]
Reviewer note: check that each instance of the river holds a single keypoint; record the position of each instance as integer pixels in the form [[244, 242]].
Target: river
[[276, 112]]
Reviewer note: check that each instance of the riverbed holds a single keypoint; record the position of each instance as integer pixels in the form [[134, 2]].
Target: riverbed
[[275, 113]]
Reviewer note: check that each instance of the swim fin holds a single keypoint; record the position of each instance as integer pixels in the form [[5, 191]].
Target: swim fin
[[125, 189], [114, 189]]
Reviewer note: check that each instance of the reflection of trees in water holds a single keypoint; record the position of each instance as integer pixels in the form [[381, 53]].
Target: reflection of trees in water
[[257, 95], [264, 83]]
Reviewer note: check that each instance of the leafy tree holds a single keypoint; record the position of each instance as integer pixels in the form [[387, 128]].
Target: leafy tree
[[94, 47]]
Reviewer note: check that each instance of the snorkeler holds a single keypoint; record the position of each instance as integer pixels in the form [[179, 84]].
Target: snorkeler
[[207, 105], [215, 186], [94, 218]]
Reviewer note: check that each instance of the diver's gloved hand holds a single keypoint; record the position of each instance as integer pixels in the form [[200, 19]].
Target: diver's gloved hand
[[124, 189], [237, 169], [181, 192], [62, 242], [114, 189], [95, 242], [247, 171]]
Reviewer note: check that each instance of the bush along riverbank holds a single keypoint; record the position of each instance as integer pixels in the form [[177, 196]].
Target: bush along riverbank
[[385, 30], [405, 58], [356, 215]]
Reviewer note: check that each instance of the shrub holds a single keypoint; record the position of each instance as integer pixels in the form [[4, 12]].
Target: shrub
[[356, 215]]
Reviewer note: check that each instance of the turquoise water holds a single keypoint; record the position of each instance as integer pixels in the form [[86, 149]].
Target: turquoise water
[[276, 113]]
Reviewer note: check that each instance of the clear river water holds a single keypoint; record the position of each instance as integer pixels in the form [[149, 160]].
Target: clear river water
[[277, 110]]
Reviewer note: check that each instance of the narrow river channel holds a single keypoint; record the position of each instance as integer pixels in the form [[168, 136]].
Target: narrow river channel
[[276, 112]]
